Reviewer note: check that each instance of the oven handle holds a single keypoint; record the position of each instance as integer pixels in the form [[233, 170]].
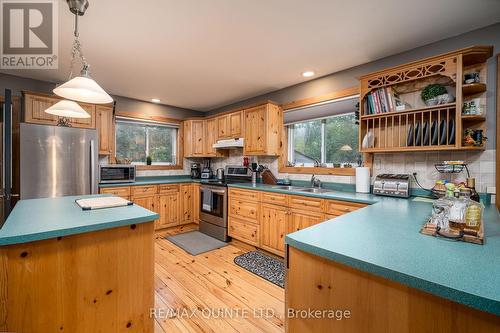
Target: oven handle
[[218, 192]]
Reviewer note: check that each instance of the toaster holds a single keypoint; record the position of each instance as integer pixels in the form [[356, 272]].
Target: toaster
[[394, 185]]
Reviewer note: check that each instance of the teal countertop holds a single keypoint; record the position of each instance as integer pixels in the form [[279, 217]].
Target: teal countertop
[[39, 219], [154, 181], [384, 239]]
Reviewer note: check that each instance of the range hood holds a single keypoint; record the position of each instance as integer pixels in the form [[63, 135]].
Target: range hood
[[229, 143]]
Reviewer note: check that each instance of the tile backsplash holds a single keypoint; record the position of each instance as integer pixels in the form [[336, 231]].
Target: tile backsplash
[[481, 166]]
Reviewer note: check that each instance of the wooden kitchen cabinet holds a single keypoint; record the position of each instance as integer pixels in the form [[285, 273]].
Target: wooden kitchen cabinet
[[187, 203], [244, 231], [196, 203], [119, 191], [193, 138], [263, 127], [223, 127], [169, 210], [271, 216], [210, 127], [273, 228], [301, 219], [106, 128], [145, 202], [235, 124], [35, 105]]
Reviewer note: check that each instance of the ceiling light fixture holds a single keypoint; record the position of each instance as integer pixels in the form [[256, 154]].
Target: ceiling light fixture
[[67, 109], [81, 88], [307, 73], [155, 100]]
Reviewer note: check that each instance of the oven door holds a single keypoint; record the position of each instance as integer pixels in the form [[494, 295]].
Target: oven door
[[213, 209]]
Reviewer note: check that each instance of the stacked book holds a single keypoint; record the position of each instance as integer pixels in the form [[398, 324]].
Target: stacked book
[[383, 100]]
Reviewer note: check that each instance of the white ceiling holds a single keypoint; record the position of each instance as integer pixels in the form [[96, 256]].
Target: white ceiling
[[205, 54]]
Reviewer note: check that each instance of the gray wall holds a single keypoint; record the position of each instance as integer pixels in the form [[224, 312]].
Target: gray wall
[[123, 104], [348, 78]]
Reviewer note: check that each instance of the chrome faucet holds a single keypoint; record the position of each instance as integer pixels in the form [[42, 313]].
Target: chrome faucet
[[315, 182]]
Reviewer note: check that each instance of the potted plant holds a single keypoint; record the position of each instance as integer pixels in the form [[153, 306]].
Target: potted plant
[[149, 160], [435, 94]]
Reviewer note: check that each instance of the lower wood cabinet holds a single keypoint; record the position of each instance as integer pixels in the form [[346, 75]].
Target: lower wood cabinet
[[244, 231], [263, 219], [175, 203], [169, 210], [301, 219], [273, 227]]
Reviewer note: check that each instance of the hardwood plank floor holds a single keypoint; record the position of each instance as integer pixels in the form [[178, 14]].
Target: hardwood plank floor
[[209, 293]]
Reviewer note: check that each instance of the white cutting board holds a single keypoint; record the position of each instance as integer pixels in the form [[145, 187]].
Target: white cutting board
[[102, 202]]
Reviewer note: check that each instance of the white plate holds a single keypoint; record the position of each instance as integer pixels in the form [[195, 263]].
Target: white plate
[[368, 140]]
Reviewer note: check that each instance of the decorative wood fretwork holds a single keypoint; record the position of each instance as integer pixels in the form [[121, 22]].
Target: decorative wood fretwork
[[446, 67]]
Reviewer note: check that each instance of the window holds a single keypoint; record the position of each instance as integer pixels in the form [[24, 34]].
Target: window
[[137, 140], [329, 141]]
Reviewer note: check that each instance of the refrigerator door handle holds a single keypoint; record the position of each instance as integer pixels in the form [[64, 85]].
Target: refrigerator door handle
[[92, 167]]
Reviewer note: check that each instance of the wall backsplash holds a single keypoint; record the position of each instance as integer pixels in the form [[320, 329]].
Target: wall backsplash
[[481, 166]]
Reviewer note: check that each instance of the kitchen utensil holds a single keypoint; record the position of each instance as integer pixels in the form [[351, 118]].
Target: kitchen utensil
[[268, 177], [220, 174]]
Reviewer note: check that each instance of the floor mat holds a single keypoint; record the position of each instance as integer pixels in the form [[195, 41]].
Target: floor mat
[[268, 268], [195, 242]]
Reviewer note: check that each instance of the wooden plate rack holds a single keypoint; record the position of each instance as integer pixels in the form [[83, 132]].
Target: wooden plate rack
[[422, 127]]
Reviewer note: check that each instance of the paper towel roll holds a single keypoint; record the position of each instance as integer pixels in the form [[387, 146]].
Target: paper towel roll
[[363, 180]]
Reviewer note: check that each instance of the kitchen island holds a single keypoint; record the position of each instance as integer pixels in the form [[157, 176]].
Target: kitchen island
[[68, 270], [381, 275]]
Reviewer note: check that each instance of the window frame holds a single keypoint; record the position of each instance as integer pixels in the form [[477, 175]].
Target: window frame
[[156, 121], [291, 131], [283, 158]]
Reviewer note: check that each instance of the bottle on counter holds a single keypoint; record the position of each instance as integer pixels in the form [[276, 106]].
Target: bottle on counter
[[458, 205], [473, 216], [471, 184]]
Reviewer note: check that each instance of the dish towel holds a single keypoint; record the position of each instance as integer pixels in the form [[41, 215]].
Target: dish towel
[[207, 200]]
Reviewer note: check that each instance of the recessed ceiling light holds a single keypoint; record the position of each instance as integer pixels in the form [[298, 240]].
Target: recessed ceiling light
[[307, 73], [155, 100]]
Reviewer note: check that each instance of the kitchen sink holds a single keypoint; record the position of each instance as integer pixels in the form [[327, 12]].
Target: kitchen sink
[[287, 188], [314, 190], [301, 189]]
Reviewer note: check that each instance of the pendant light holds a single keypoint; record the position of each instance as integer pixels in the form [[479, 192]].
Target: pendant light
[[69, 109], [81, 88]]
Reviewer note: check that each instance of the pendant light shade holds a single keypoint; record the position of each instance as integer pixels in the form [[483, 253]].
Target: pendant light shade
[[68, 109], [83, 89]]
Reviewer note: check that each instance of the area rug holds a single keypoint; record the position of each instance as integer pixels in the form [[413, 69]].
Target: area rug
[[267, 267], [195, 242]]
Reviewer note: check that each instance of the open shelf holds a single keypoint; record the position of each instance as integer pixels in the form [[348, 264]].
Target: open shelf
[[428, 108], [421, 127], [473, 118], [473, 88]]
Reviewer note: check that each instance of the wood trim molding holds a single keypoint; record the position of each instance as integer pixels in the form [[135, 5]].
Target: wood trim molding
[[140, 116], [159, 167], [283, 157], [321, 98], [497, 168]]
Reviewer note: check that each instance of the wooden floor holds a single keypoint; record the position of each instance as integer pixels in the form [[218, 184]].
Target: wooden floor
[[209, 293]]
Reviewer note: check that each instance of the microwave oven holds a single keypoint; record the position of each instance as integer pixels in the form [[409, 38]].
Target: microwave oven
[[116, 173]]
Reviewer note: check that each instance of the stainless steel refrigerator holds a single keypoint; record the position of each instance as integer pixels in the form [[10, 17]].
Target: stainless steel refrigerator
[[57, 161]]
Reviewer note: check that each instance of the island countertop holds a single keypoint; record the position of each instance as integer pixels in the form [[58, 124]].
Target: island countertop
[[39, 219], [383, 238]]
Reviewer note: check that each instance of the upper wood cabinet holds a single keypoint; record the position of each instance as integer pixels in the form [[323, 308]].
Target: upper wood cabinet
[[194, 131], [263, 126], [230, 125], [199, 137], [35, 105], [223, 127], [106, 126]]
